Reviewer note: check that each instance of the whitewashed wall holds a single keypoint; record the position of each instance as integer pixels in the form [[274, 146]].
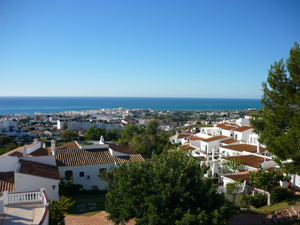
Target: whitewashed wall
[[89, 170], [25, 182], [8, 163]]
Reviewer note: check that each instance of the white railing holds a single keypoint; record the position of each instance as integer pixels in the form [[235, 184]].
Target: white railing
[[27, 197], [24, 197]]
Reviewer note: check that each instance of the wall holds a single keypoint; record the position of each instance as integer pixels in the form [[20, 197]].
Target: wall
[[25, 182], [227, 132], [8, 163], [242, 135], [91, 170], [34, 147]]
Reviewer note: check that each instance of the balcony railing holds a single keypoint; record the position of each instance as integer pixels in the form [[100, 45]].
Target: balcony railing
[[26, 197]]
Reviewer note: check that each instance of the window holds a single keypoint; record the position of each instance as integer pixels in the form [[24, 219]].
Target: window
[[236, 136], [68, 174], [81, 174]]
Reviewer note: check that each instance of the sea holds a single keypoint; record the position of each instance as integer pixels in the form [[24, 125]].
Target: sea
[[24, 105]]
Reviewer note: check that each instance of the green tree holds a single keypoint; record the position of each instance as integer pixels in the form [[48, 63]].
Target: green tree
[[68, 135], [58, 210], [234, 164], [129, 132], [65, 126], [278, 122], [168, 189], [267, 180], [7, 144]]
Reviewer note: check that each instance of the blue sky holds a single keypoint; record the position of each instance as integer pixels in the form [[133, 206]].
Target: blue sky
[[169, 48]]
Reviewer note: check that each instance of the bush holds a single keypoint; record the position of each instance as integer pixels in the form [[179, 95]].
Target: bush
[[259, 200], [279, 194], [67, 188], [244, 200]]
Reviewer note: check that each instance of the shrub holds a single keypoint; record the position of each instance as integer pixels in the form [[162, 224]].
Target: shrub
[[244, 200], [67, 188], [258, 200], [279, 194]]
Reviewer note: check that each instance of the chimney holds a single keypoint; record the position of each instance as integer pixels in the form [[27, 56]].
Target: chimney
[[35, 141], [44, 145], [53, 146], [24, 151], [101, 140]]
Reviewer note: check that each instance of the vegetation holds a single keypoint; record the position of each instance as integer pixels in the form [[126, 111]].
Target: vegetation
[[58, 210], [7, 144], [278, 121], [232, 165], [267, 180], [94, 133], [168, 189], [145, 141], [69, 135]]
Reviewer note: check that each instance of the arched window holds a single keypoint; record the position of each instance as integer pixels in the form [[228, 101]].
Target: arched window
[[68, 174]]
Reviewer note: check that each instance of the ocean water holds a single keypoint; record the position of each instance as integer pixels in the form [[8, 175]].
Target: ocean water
[[21, 105]]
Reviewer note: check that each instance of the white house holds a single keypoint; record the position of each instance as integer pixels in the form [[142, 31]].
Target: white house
[[240, 149], [242, 133], [85, 163]]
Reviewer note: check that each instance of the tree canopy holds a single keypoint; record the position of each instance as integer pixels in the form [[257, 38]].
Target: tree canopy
[[168, 189], [68, 135], [278, 122], [267, 180]]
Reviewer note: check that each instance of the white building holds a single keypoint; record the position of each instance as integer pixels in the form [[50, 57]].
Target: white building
[[76, 124], [85, 163]]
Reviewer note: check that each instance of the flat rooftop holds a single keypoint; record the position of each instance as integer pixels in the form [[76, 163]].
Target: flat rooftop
[[26, 213]]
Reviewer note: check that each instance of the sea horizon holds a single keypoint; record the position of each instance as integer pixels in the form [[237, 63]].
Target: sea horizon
[[52, 104]]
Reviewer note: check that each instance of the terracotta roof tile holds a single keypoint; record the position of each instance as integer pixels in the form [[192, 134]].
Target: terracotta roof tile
[[196, 138], [183, 135], [121, 149], [39, 169], [239, 176], [241, 129], [76, 157], [7, 181], [248, 160], [230, 141], [215, 138], [187, 147], [41, 152], [71, 145], [244, 147], [127, 159]]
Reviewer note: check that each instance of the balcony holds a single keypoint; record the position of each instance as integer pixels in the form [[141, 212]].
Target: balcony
[[30, 207]]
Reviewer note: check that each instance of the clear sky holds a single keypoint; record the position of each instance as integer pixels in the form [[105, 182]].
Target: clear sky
[[146, 48]]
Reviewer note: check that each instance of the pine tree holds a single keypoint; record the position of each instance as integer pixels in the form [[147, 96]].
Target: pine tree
[[278, 122]]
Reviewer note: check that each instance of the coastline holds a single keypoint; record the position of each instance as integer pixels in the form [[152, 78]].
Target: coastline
[[28, 105]]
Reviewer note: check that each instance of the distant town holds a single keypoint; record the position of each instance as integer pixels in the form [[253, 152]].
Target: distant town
[[26, 127]]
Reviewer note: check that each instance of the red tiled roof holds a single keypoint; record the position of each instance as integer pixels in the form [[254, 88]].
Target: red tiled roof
[[239, 176], [75, 157], [249, 114], [230, 141], [241, 129], [244, 147], [39, 169], [121, 149], [183, 135], [187, 147], [248, 160], [215, 138], [127, 159], [196, 138], [71, 145], [7, 181], [41, 152]]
